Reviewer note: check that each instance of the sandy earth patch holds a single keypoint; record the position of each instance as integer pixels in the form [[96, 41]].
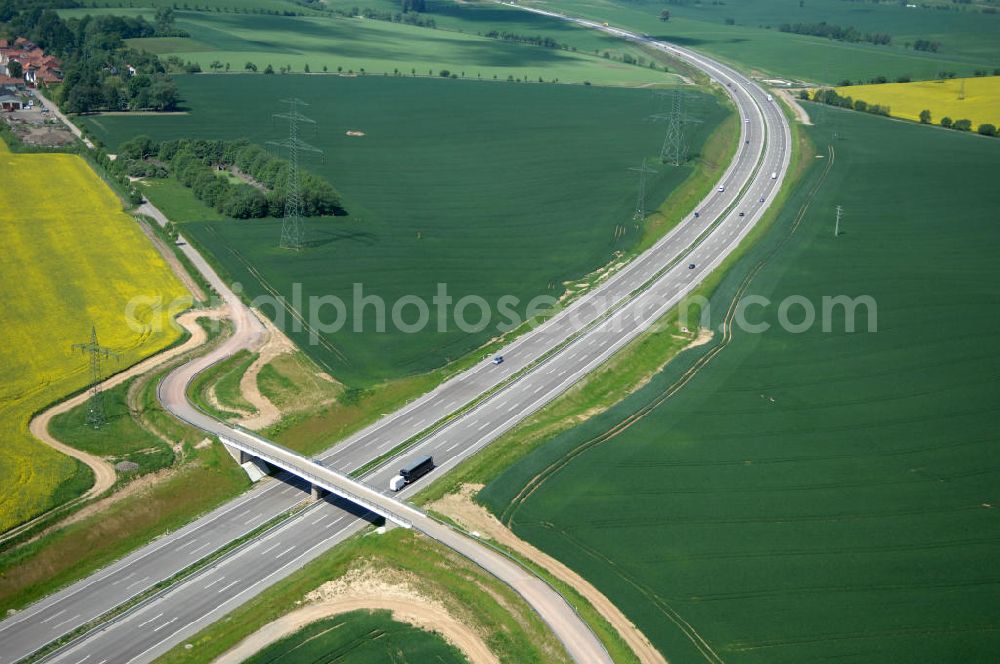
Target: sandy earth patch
[[371, 589]]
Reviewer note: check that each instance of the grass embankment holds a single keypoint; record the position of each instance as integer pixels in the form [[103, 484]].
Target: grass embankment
[[120, 439], [217, 389], [975, 99], [203, 478], [362, 636], [510, 628], [817, 494], [72, 260]]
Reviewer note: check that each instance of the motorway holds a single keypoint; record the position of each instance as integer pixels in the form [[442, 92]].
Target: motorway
[[539, 366]]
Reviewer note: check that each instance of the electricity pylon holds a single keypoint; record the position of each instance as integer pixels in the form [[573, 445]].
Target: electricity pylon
[[674, 149], [292, 232], [96, 416], [836, 228], [640, 203]]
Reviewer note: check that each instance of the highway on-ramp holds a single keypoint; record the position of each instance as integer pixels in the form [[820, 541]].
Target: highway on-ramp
[[540, 365]]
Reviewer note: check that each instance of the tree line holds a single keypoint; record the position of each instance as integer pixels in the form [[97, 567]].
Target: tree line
[[831, 98], [200, 165], [534, 40], [95, 59], [836, 32]]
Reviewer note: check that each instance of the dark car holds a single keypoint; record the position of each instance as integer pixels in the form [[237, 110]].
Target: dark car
[[690, 266], [498, 359], [743, 214]]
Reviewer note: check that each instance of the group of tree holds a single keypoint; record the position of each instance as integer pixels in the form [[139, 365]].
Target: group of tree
[[406, 16], [836, 32], [831, 98], [100, 71], [534, 40], [202, 166], [986, 128]]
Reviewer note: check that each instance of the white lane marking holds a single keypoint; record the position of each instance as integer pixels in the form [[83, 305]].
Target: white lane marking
[[453, 446], [538, 389], [252, 519], [68, 620], [186, 544], [169, 622], [53, 616], [135, 583], [202, 547], [124, 578], [273, 546], [483, 426], [79, 661], [212, 583], [228, 586], [288, 550], [321, 519], [156, 617]]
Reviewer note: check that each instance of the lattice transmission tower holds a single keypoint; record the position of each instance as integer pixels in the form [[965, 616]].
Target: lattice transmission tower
[[674, 150], [293, 235], [640, 202], [96, 416]]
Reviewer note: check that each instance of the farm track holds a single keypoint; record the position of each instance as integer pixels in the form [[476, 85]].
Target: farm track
[[105, 476]]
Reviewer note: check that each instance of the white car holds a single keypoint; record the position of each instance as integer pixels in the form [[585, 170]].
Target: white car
[[774, 176], [722, 187]]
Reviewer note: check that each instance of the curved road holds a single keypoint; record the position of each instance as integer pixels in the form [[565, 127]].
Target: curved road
[[539, 366]]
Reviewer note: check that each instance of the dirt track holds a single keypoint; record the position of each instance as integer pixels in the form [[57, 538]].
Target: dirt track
[[369, 589], [460, 507], [276, 344], [104, 472]]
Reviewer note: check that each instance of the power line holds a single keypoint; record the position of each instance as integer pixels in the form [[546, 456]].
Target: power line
[[292, 230], [96, 416]]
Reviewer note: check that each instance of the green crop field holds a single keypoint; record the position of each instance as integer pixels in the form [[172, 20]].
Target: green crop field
[[490, 188], [359, 637], [347, 44], [968, 37], [813, 496]]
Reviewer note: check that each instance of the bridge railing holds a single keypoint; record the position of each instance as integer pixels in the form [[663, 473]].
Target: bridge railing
[[299, 468]]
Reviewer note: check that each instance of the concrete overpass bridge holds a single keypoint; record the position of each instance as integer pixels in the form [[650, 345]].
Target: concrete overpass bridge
[[322, 479]]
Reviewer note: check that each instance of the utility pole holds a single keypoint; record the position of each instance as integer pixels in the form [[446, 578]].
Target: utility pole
[[96, 416], [961, 91], [292, 232], [836, 229], [640, 203]]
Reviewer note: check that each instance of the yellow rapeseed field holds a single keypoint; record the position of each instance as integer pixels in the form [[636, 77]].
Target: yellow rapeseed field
[[70, 258], [981, 104]]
